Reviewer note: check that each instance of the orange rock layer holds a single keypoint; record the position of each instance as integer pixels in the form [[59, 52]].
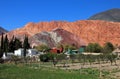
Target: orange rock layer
[[89, 30]]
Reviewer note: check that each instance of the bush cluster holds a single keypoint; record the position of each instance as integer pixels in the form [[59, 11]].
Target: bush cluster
[[47, 57]]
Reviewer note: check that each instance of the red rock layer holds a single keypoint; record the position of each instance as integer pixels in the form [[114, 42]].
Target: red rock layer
[[88, 30]]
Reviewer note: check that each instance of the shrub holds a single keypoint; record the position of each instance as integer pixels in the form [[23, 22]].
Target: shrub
[[47, 57], [44, 58]]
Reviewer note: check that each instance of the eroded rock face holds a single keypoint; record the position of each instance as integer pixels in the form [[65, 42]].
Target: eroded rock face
[[55, 37], [41, 38], [88, 30]]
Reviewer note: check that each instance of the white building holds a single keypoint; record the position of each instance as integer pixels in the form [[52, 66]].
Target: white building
[[19, 52], [30, 52], [9, 55]]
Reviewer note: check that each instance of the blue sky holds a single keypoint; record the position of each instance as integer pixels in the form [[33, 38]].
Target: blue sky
[[16, 13]]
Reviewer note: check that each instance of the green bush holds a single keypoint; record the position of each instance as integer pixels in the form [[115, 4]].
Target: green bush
[[108, 48], [47, 57], [44, 58]]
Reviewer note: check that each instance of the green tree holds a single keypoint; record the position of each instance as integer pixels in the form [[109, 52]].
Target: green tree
[[108, 48], [90, 47], [11, 45], [2, 46], [17, 44], [97, 47], [93, 47], [14, 44], [6, 43], [26, 45]]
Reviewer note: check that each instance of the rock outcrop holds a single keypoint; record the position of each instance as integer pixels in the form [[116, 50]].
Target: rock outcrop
[[88, 30], [55, 37]]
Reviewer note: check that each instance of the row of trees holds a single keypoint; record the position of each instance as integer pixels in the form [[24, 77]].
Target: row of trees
[[106, 49], [12, 45], [92, 47], [81, 58], [95, 47], [43, 47]]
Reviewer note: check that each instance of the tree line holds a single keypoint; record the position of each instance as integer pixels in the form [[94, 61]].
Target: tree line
[[12, 45], [107, 48]]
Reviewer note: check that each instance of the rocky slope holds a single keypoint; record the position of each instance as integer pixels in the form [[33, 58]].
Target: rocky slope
[[55, 37], [88, 30], [109, 15]]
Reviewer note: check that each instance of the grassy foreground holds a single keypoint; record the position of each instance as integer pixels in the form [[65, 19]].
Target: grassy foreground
[[23, 72]]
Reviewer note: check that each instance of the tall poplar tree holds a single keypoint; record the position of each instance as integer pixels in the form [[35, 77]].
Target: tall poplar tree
[[26, 45], [11, 45], [17, 44], [6, 43], [2, 46]]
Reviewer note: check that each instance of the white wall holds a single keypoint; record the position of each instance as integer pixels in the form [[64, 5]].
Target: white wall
[[19, 52]]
